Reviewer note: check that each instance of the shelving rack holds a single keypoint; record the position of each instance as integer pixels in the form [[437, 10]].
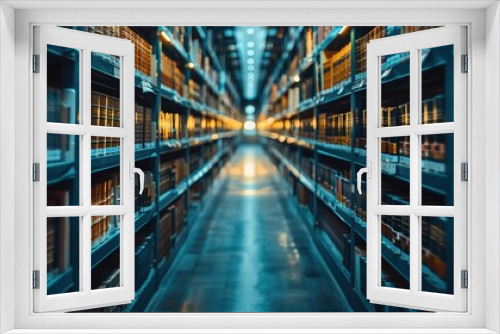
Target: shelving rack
[[313, 124], [186, 130]]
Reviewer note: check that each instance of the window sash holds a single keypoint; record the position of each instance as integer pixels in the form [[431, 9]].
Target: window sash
[[86, 298], [413, 298]]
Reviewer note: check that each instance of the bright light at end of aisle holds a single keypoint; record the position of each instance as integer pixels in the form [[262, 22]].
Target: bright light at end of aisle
[[249, 125]]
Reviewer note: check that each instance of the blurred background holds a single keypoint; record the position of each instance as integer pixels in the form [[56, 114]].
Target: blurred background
[[250, 139]]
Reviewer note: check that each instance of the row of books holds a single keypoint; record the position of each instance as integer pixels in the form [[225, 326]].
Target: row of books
[[144, 127], [336, 66], [335, 128], [172, 172], [307, 127], [105, 188], [142, 47], [169, 126], [105, 110], [362, 42], [172, 75], [166, 230], [103, 227]]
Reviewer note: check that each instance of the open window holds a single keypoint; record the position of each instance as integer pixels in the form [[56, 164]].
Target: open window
[[428, 134], [75, 135]]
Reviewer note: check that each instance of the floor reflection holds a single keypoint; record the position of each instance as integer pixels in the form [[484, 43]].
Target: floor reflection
[[250, 254]]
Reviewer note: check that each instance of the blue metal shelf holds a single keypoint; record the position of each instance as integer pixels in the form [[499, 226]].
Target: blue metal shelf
[[112, 242], [62, 283]]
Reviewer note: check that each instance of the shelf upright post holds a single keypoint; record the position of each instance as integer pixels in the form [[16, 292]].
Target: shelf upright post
[[352, 193], [157, 49], [316, 131], [187, 78]]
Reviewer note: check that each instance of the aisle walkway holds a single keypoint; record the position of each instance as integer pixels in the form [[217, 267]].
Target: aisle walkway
[[248, 253]]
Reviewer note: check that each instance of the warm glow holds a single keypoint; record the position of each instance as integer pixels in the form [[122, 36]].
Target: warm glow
[[249, 169], [190, 65], [343, 28], [249, 125], [165, 37], [296, 78]]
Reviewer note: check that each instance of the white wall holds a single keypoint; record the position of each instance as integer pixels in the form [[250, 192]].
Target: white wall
[[492, 165], [7, 159]]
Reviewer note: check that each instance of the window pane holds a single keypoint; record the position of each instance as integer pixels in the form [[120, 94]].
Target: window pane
[[105, 234], [437, 169], [395, 242], [105, 90], [437, 254], [105, 146], [437, 84], [63, 177], [395, 167], [395, 91], [63, 260], [63, 85], [105, 180]]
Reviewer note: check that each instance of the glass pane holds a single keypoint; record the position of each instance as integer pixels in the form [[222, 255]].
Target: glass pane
[[105, 162], [395, 91], [395, 241], [63, 85], [437, 170], [63, 182], [437, 254], [105, 90], [105, 188], [105, 234], [395, 167], [63, 250], [105, 147], [437, 84]]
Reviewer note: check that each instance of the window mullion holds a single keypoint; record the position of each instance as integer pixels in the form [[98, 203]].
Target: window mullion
[[414, 168]]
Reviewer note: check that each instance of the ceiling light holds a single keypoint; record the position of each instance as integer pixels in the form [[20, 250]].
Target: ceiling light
[[250, 67], [250, 52], [250, 31], [190, 65], [249, 109], [343, 28], [250, 44], [165, 37], [296, 78], [250, 61]]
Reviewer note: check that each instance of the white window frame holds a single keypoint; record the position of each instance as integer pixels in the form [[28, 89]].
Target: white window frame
[[484, 307], [414, 43], [85, 43]]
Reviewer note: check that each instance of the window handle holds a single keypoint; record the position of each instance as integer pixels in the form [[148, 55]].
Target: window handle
[[368, 171], [133, 171]]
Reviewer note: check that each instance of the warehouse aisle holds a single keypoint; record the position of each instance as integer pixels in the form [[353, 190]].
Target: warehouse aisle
[[249, 252]]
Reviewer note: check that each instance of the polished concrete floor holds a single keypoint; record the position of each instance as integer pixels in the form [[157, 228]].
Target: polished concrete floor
[[249, 252]]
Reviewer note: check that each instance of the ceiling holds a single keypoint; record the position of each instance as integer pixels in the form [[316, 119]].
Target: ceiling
[[249, 54]]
